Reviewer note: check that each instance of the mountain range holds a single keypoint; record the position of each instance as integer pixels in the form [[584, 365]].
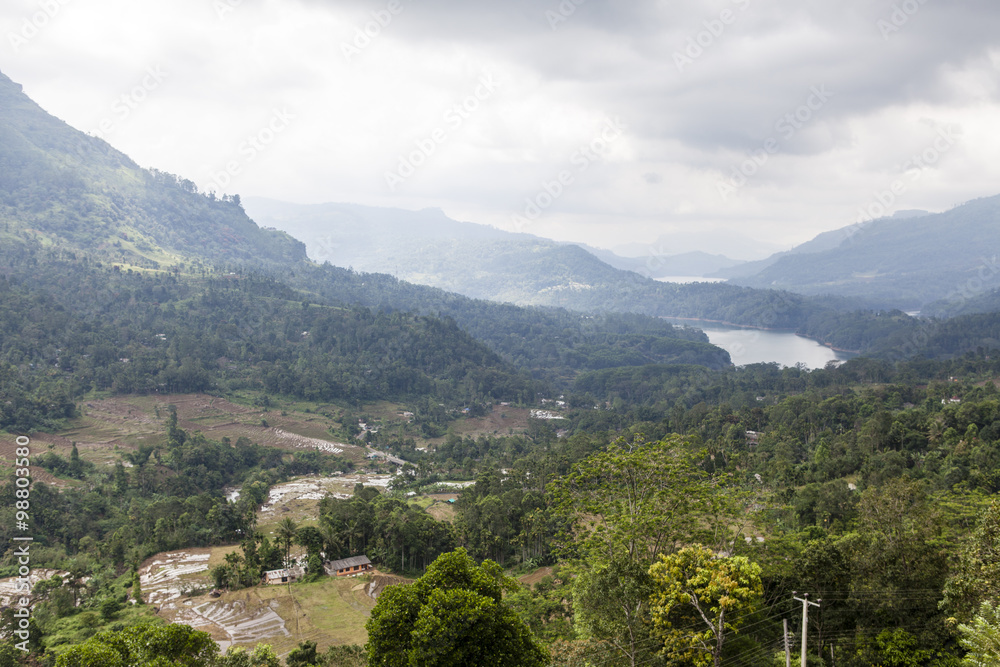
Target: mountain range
[[481, 262], [102, 229], [904, 261], [71, 197], [429, 248]]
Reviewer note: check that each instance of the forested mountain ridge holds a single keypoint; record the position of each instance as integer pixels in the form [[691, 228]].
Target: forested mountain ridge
[[73, 190], [904, 261], [486, 263], [64, 190], [121, 279], [482, 262]]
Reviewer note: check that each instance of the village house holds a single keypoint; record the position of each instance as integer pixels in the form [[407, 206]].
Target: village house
[[348, 567], [284, 576]]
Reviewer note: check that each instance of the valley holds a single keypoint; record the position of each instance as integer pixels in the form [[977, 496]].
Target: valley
[[522, 451]]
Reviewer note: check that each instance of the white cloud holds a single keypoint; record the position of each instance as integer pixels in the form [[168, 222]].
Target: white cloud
[[359, 105]]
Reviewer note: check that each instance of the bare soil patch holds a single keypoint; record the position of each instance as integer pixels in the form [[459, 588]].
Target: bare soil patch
[[536, 576]]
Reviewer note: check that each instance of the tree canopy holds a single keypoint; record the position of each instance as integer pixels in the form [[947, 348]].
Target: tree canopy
[[454, 615], [701, 598]]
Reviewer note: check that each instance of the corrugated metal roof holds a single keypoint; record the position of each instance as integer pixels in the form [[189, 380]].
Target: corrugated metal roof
[[290, 572], [353, 561]]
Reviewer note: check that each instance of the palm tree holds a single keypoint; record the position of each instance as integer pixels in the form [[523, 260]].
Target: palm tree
[[285, 534], [333, 543]]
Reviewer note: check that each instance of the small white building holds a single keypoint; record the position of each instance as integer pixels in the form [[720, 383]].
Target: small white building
[[284, 576]]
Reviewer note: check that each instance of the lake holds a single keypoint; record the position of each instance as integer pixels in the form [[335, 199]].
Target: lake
[[751, 346], [684, 280]]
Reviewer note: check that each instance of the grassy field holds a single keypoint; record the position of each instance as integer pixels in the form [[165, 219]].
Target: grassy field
[[109, 426]]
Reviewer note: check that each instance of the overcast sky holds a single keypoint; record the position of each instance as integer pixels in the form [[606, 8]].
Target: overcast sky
[[733, 126]]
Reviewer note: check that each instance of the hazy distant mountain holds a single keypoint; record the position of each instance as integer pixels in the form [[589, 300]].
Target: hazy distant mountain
[[428, 248], [907, 260], [822, 242], [659, 265], [695, 238]]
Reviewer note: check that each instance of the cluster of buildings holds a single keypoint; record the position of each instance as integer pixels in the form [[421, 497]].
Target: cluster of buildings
[[345, 567]]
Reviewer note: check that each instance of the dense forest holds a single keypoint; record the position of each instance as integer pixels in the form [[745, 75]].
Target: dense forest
[[868, 485]]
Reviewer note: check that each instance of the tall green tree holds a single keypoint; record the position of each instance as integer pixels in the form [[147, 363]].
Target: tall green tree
[[452, 616], [700, 600], [286, 533], [975, 577], [611, 604], [637, 499], [981, 637], [621, 508], [262, 655]]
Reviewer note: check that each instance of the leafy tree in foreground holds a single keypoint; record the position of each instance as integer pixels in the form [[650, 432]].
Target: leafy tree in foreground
[[611, 604], [262, 655], [981, 637], [303, 656], [701, 599], [453, 616], [623, 507], [9, 656], [350, 655], [147, 645], [976, 576]]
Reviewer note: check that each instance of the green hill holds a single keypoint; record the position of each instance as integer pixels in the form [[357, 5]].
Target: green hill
[[116, 278], [67, 189], [903, 261]]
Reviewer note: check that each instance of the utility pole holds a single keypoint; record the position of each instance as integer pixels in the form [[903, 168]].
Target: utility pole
[[805, 619], [788, 649]]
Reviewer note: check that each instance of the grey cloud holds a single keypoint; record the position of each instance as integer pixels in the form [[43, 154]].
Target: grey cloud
[[621, 55]]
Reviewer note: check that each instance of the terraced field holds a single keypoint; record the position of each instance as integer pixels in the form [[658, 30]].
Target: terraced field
[[330, 611]]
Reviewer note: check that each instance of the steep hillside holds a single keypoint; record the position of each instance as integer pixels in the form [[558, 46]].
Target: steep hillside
[[904, 261], [67, 189]]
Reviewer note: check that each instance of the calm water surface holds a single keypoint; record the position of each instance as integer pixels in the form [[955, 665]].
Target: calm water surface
[[752, 346]]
